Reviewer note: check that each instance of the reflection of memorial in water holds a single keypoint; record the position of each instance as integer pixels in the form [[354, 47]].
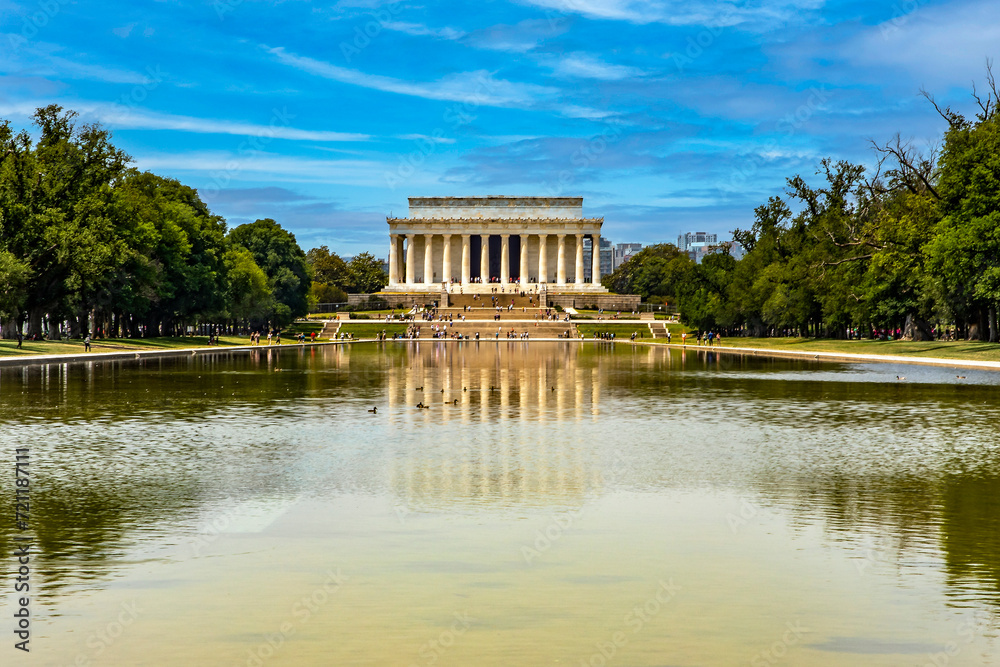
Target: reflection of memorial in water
[[510, 420]]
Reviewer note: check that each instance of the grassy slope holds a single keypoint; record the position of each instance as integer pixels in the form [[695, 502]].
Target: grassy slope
[[625, 329], [9, 347], [368, 329], [971, 350]]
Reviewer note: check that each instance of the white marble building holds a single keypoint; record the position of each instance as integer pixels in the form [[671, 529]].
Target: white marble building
[[471, 244]]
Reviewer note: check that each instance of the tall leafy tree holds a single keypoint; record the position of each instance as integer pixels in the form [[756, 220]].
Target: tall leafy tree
[[366, 274], [289, 276]]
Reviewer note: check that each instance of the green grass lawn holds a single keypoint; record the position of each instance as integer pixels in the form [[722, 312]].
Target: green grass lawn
[[969, 350], [9, 347], [301, 326], [588, 329], [364, 329]]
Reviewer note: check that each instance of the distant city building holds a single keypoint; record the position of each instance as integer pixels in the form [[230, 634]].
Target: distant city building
[[692, 240], [622, 253], [607, 257], [736, 250], [698, 252]]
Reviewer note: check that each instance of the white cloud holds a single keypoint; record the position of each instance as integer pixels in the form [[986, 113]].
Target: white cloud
[[122, 116], [519, 38], [221, 170], [54, 67], [477, 87], [423, 31], [426, 137], [586, 66], [575, 111], [944, 45], [124, 31], [678, 12]]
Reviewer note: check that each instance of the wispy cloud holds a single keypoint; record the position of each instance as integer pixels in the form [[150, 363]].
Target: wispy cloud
[[40, 64], [119, 116], [518, 38], [586, 66], [420, 30], [426, 137], [688, 12], [479, 86], [229, 167]]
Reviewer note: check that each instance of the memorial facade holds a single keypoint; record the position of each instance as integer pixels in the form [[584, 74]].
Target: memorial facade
[[476, 244]]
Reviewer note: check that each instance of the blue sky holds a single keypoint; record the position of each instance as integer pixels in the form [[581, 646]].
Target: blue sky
[[666, 116]]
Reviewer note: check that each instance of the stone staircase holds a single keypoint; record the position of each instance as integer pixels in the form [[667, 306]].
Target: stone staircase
[[487, 328], [330, 330], [458, 301], [658, 329]]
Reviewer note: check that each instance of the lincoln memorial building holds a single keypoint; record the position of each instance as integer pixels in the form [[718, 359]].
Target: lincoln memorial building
[[475, 244]]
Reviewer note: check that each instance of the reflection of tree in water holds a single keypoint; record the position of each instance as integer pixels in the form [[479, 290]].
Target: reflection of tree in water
[[970, 531], [83, 532], [900, 521], [119, 449]]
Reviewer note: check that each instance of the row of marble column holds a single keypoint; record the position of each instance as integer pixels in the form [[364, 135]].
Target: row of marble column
[[395, 276]]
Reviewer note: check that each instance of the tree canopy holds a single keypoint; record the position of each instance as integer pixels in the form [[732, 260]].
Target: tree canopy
[[86, 238], [913, 240]]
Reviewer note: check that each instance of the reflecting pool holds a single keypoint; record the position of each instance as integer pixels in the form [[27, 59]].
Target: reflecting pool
[[554, 504]]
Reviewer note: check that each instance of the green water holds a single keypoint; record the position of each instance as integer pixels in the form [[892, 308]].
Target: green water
[[557, 504]]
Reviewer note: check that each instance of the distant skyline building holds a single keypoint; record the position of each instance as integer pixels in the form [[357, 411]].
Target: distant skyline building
[[691, 240], [622, 253], [606, 257]]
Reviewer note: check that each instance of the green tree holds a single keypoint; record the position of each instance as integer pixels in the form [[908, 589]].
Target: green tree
[[288, 274], [366, 274], [248, 293], [328, 268], [964, 253]]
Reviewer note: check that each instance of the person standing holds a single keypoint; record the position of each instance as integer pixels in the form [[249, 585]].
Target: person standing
[[86, 343], [20, 338]]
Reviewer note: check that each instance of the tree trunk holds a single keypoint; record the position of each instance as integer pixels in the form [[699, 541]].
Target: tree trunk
[[992, 315], [916, 329], [35, 322], [9, 328]]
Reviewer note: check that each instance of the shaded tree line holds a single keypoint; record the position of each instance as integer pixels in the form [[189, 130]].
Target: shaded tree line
[[88, 243], [911, 242], [334, 279]]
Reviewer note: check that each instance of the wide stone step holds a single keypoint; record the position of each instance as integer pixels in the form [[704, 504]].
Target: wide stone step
[[490, 329], [330, 329], [490, 313], [487, 300]]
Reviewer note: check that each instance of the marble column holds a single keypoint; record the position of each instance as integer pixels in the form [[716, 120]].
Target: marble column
[[524, 260], [484, 258], [595, 258], [393, 260], [543, 261], [561, 259], [411, 259], [504, 258], [578, 273], [466, 260], [428, 259], [446, 260]]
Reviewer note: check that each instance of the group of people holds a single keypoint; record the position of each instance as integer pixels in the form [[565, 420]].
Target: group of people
[[273, 335], [701, 337]]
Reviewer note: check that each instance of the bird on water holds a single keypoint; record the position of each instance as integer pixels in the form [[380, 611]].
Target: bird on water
[[374, 409]]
